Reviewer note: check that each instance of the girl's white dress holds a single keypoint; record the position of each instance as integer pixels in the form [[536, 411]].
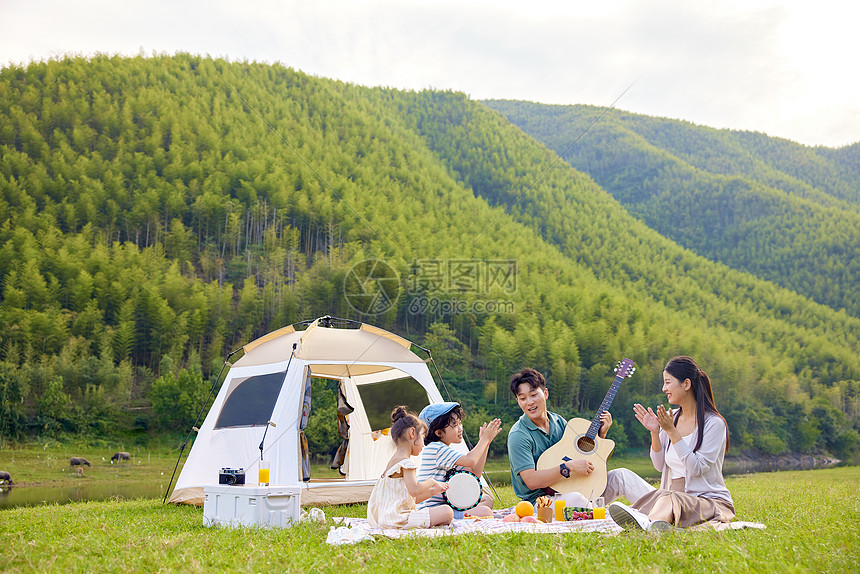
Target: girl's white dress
[[391, 505]]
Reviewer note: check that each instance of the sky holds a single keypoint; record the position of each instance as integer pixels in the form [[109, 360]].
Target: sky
[[787, 68]]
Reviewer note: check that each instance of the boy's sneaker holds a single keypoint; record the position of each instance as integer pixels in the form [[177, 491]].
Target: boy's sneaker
[[628, 518]]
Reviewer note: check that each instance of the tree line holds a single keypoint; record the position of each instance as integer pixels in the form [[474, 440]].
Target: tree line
[[150, 223], [779, 210]]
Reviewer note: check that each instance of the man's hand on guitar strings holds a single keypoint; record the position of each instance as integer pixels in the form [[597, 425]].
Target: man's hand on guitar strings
[[580, 466]]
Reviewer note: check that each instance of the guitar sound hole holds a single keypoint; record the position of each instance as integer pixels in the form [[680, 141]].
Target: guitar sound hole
[[585, 444]]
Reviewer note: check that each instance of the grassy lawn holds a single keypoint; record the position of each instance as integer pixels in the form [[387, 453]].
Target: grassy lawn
[[812, 517]]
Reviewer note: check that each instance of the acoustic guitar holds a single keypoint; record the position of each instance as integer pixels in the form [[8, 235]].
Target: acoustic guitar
[[580, 441]]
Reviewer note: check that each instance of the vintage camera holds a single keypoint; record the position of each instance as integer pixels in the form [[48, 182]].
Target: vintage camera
[[231, 476]]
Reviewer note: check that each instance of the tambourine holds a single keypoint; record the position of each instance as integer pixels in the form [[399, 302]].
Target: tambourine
[[464, 490]]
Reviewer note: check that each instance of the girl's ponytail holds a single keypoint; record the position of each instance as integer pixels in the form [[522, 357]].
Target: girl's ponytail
[[402, 420]]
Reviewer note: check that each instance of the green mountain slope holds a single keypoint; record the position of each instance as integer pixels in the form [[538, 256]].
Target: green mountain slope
[[781, 211], [158, 213]]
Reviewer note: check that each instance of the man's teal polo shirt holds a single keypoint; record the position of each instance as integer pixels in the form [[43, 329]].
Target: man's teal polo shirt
[[526, 442]]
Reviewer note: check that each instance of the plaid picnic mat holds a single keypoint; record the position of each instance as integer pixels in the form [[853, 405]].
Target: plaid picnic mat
[[358, 529]]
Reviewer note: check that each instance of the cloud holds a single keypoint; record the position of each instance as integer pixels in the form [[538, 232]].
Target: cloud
[[783, 67]]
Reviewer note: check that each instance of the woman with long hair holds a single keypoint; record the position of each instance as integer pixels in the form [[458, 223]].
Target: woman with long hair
[[688, 446]]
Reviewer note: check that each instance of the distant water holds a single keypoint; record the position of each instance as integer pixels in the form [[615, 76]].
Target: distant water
[[36, 495], [766, 463]]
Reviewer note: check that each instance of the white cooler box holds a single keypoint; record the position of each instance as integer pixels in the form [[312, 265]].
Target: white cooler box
[[251, 505]]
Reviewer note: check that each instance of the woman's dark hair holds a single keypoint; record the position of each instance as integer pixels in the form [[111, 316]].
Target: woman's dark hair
[[401, 421], [683, 368], [530, 377], [441, 422]]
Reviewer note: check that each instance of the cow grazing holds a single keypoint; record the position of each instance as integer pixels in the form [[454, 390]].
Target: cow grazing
[[78, 461], [120, 456], [5, 477]]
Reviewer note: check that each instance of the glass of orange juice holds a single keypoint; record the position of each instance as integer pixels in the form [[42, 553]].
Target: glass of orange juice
[[560, 503], [599, 511], [264, 473]]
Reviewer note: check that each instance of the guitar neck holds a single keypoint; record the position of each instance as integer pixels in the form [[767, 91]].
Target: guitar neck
[[604, 406]]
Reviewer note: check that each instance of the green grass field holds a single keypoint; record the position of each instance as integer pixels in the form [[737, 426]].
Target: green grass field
[[812, 518]]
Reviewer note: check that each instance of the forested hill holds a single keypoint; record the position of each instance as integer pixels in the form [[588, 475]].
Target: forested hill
[[782, 211], [159, 213]]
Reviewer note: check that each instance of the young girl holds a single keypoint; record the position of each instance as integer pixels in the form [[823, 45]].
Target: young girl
[[392, 503], [688, 446], [446, 427]]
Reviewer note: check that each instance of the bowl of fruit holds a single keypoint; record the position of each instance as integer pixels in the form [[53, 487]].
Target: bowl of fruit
[[577, 513]]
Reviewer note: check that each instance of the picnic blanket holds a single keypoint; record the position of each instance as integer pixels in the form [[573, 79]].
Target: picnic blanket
[[359, 529]]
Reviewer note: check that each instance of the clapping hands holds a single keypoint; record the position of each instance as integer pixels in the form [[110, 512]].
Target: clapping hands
[[664, 419], [647, 417], [654, 421]]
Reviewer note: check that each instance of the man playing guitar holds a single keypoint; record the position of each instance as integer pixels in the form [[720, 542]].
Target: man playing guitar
[[537, 430]]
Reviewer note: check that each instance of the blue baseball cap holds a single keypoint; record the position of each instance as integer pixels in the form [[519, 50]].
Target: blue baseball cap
[[436, 410]]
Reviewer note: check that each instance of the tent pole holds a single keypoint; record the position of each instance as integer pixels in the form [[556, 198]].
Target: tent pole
[[286, 372], [268, 424]]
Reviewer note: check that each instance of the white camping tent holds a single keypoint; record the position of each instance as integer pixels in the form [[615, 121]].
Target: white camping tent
[[376, 371]]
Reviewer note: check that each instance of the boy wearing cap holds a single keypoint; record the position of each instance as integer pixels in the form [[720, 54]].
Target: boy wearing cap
[[445, 428], [537, 430]]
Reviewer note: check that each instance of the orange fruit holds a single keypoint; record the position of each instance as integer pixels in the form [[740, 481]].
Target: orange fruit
[[524, 508]]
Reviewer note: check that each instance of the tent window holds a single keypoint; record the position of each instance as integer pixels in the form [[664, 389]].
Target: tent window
[[252, 401], [380, 399]]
